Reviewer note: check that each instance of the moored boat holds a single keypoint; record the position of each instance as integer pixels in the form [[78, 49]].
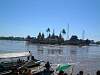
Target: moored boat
[[37, 67], [8, 64]]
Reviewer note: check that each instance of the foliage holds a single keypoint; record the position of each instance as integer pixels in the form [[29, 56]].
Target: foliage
[[48, 30], [63, 31]]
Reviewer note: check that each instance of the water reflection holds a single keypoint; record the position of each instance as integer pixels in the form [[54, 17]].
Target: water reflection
[[40, 50], [73, 50], [49, 50], [55, 51]]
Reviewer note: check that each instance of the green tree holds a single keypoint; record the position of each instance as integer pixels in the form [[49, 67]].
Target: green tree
[[60, 36], [28, 37], [87, 41], [74, 37], [49, 35], [60, 39], [42, 36], [39, 36], [63, 31], [48, 31], [74, 40]]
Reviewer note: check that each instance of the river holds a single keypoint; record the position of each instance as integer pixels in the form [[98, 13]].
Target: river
[[87, 58]]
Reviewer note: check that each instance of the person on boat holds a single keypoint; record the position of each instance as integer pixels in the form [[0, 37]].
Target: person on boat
[[65, 74], [81, 73], [61, 72], [48, 71], [32, 58], [28, 57], [30, 53], [25, 72], [2, 68], [47, 65], [98, 72], [15, 71], [29, 72], [88, 74]]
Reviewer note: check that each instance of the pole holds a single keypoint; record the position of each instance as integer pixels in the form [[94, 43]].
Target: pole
[[83, 35]]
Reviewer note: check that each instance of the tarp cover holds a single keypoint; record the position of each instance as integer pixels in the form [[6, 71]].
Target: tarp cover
[[63, 67]]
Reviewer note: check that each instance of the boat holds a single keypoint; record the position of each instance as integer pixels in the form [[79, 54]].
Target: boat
[[7, 67], [54, 70], [14, 55], [8, 64], [37, 67]]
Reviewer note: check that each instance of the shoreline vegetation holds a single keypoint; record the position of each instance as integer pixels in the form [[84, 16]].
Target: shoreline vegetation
[[57, 40], [52, 39], [12, 38]]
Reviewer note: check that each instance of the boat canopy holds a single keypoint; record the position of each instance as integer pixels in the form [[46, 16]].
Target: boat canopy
[[14, 55]]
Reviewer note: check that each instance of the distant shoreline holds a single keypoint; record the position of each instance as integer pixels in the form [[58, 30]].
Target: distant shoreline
[[13, 38], [50, 41], [27, 42]]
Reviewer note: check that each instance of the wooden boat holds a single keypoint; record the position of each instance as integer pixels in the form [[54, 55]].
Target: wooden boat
[[7, 66]]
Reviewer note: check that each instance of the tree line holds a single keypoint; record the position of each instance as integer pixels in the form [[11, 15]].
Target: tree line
[[12, 38]]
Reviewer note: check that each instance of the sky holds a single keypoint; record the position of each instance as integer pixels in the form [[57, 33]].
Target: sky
[[29, 17]]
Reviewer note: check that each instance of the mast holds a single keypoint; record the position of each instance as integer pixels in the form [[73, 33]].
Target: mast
[[83, 34]]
